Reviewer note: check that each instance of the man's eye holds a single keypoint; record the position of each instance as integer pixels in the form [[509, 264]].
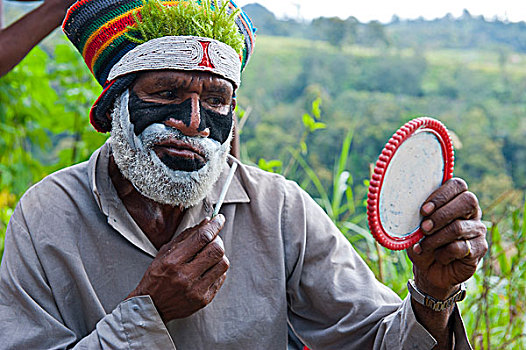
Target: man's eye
[[167, 94], [215, 101]]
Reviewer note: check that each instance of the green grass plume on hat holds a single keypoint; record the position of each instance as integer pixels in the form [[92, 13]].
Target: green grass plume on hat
[[203, 18]]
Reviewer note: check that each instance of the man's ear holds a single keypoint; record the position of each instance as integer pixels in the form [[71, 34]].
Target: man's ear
[[108, 115]]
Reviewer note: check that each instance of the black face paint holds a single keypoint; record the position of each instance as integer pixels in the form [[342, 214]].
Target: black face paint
[[143, 114], [183, 164]]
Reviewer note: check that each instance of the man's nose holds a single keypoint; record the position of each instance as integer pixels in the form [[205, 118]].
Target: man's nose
[[192, 129]]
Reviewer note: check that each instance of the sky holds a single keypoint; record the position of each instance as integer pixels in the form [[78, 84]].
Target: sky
[[383, 10]]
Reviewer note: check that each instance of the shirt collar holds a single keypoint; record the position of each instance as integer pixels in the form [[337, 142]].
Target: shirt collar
[[112, 207], [236, 192]]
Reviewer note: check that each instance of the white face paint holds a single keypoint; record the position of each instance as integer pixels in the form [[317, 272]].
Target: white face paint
[[137, 161]]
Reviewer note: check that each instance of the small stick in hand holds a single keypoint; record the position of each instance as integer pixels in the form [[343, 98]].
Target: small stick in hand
[[225, 189]]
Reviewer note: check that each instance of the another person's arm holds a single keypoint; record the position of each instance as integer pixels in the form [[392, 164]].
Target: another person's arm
[[20, 37]]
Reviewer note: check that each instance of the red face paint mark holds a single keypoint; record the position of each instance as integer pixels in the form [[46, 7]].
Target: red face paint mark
[[206, 58]]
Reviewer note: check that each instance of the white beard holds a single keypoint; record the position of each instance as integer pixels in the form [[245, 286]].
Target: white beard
[[137, 161]]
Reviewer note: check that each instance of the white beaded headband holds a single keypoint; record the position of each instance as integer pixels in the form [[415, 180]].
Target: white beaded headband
[[181, 53]]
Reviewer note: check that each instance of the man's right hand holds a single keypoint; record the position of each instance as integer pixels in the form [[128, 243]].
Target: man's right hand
[[188, 271]]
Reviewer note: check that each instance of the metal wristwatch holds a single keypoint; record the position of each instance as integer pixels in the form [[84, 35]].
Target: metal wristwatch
[[432, 303]]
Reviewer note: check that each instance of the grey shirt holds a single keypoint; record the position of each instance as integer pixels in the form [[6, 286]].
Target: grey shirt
[[73, 254]]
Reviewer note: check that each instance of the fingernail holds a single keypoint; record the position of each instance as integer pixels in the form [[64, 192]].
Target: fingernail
[[428, 208], [220, 219], [427, 225], [219, 241], [417, 248]]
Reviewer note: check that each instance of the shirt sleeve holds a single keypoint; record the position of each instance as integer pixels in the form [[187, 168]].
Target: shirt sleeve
[[334, 300], [30, 319]]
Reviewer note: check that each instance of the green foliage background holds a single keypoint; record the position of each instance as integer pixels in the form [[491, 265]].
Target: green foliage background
[[317, 104]]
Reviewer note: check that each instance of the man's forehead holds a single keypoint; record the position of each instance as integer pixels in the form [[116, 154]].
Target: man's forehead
[[181, 79]]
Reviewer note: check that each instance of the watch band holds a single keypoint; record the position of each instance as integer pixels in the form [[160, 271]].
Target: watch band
[[432, 303]]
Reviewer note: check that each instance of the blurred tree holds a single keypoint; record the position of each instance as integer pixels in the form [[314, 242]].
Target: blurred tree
[[375, 35], [336, 31]]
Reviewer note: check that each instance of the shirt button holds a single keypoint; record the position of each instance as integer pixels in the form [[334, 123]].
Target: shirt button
[[135, 307]]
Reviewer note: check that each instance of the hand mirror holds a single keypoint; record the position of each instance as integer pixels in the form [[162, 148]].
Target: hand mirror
[[415, 162]]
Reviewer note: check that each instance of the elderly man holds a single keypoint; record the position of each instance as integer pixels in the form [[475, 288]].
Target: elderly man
[[121, 252]]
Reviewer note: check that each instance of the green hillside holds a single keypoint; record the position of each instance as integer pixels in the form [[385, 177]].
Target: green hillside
[[477, 94]]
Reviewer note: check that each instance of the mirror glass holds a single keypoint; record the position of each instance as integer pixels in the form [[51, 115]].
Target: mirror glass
[[415, 171]]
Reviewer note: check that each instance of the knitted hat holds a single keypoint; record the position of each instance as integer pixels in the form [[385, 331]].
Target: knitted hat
[[114, 45]]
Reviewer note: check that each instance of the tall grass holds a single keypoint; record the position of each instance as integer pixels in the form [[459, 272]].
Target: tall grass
[[495, 312]]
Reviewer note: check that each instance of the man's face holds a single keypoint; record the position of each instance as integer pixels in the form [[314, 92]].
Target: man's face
[[171, 134], [198, 104]]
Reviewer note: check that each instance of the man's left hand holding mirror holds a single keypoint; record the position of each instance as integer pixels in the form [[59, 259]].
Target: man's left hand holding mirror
[[454, 242]]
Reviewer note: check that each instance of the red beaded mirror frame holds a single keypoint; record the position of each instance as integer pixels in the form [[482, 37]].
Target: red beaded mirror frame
[[412, 128]]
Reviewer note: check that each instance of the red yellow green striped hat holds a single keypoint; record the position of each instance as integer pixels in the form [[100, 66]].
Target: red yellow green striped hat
[[100, 30]]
